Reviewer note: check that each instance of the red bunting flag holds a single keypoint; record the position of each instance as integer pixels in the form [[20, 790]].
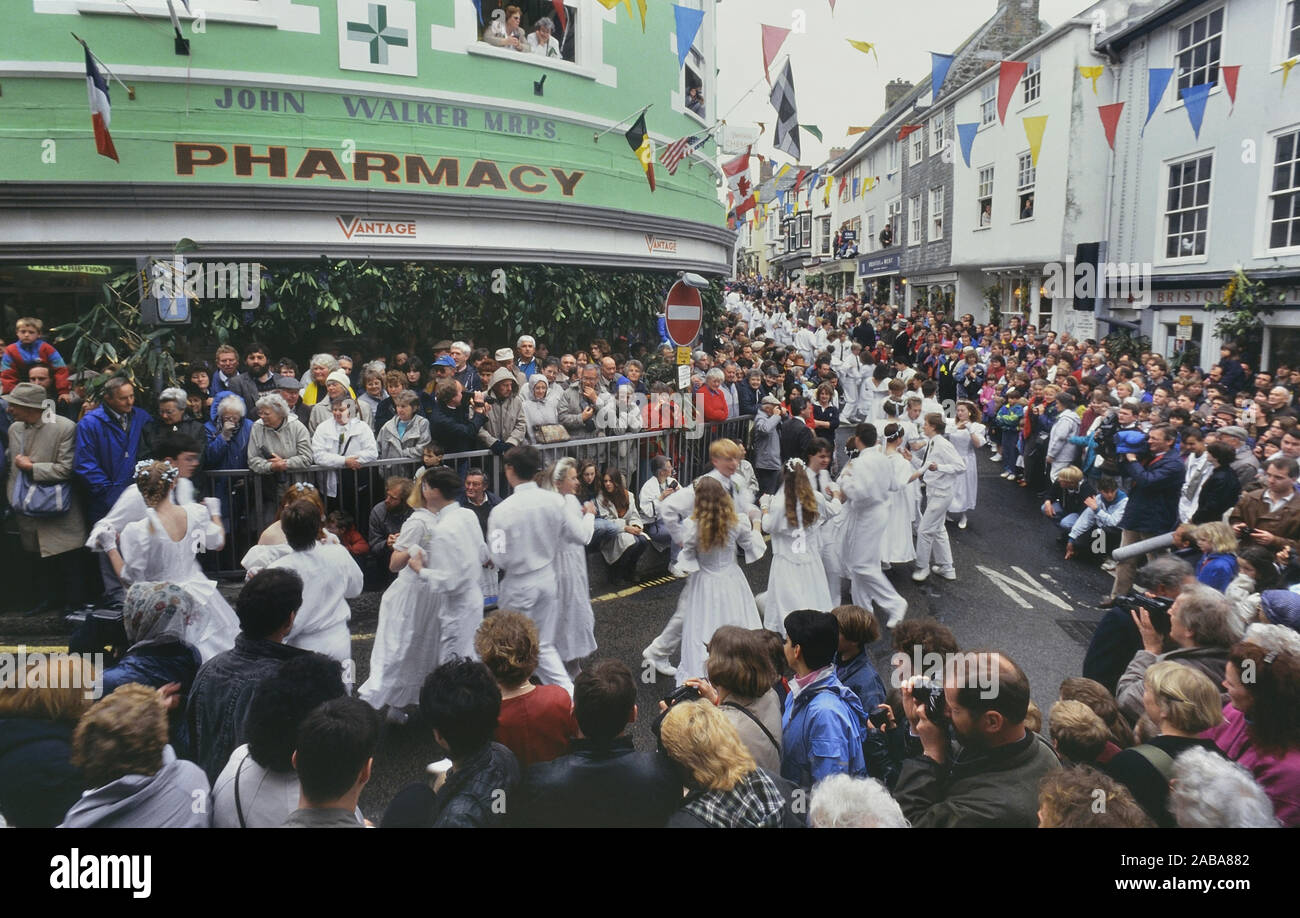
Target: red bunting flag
[[1009, 74], [773, 38], [1110, 119], [1230, 75], [906, 129], [798, 180]]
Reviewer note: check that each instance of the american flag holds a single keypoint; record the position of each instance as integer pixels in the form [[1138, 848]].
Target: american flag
[[677, 151]]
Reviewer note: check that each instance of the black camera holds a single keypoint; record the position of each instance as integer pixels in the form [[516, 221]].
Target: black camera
[[879, 719], [929, 693], [685, 693], [1157, 608]]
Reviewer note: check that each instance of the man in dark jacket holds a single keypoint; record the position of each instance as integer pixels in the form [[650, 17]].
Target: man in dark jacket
[[793, 433], [256, 380], [993, 781], [1152, 501], [603, 781], [1117, 638], [462, 702], [450, 424], [223, 688]]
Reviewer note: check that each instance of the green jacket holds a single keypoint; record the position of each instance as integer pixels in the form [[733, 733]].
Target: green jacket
[[988, 790]]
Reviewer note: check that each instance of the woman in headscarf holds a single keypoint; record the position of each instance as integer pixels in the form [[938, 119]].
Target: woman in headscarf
[[539, 408]]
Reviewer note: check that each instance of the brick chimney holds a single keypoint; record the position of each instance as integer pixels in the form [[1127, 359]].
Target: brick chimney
[[896, 89], [836, 153], [1018, 25]]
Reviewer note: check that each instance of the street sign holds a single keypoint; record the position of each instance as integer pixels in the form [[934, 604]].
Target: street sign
[[684, 314], [683, 355]]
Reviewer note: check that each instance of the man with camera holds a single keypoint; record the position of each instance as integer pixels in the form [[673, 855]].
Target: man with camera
[[993, 780], [1152, 500], [1271, 516]]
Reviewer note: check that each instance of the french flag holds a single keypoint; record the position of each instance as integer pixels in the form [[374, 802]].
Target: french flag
[[100, 111]]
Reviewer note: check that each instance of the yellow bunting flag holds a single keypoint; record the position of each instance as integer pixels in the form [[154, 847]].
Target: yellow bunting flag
[[1092, 73], [1286, 69], [859, 130], [866, 47], [1034, 128], [826, 198]]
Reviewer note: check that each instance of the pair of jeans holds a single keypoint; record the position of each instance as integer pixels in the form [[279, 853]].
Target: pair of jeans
[[1010, 450]]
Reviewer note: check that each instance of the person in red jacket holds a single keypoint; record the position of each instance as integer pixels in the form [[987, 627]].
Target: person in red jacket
[[31, 349], [715, 400]]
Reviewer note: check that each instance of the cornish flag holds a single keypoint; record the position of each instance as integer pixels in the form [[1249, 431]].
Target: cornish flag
[[100, 112]]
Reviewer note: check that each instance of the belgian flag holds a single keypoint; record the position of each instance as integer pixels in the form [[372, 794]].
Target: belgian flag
[[639, 140]]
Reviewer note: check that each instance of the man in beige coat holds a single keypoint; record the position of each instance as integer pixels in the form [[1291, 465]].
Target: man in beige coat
[[43, 448]]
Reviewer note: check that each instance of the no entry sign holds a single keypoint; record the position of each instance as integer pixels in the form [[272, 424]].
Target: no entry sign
[[683, 314]]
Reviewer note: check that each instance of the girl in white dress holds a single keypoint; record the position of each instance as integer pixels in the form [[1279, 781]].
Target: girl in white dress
[[452, 567], [967, 435], [407, 636], [162, 547], [797, 579], [717, 592], [575, 627], [897, 546], [329, 579]]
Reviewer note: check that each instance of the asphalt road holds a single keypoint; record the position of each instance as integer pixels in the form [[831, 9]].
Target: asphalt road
[[1014, 593]]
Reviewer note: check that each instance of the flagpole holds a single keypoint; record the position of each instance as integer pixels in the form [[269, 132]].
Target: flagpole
[[130, 93], [613, 127]]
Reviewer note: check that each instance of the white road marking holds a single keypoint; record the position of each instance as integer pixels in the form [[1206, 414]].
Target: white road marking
[[1013, 588]]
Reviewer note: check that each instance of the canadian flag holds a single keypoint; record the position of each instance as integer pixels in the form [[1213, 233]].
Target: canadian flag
[[100, 110]]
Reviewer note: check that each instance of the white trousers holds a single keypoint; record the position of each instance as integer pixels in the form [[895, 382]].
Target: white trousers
[[874, 585], [931, 537], [534, 594]]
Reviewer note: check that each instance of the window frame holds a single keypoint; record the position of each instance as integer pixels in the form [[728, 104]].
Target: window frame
[[1177, 51], [988, 103], [1032, 81], [915, 220], [918, 147], [934, 225], [1025, 168], [1162, 226], [984, 193], [1269, 174], [938, 126]]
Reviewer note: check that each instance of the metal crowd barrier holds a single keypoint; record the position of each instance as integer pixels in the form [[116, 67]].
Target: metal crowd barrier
[[250, 502]]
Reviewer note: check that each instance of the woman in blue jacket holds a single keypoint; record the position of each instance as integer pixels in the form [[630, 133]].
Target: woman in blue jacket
[[1218, 564]]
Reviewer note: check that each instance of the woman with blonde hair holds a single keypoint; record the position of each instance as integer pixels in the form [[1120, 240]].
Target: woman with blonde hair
[[575, 627], [717, 592], [727, 788], [1218, 564], [797, 578], [162, 548], [1183, 703], [39, 710]]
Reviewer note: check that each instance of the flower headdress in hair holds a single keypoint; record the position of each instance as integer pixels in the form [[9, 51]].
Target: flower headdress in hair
[[144, 467]]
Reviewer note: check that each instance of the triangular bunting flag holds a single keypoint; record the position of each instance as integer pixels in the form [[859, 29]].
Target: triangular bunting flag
[[787, 123], [856, 183], [859, 130], [1194, 101], [812, 129], [906, 129], [641, 6], [688, 26], [773, 38], [826, 194], [1157, 80], [1286, 69], [832, 7], [1034, 128], [966, 137], [1109, 119], [1092, 73], [639, 140], [798, 179], [866, 47], [1009, 74], [1230, 75], [939, 64], [844, 183]]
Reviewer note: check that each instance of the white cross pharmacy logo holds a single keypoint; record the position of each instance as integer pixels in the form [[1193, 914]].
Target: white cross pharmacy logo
[[377, 36]]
